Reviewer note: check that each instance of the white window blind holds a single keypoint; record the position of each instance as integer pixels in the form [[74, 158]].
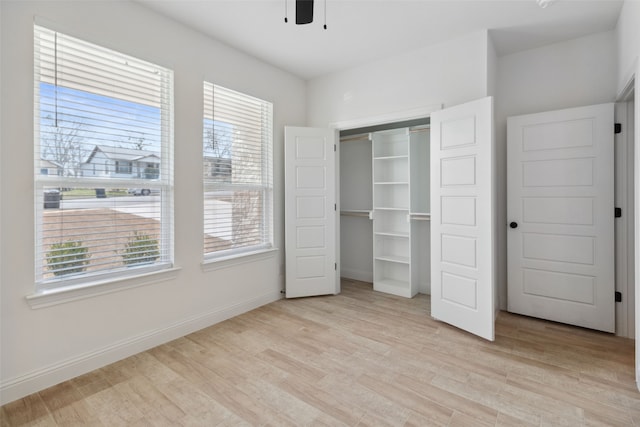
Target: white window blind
[[238, 172], [103, 133]]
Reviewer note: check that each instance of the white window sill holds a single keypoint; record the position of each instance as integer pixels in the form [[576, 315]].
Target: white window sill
[[213, 264], [91, 289]]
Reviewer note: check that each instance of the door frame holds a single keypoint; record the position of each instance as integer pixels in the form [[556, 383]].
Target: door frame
[[632, 90], [630, 95], [624, 188], [636, 166]]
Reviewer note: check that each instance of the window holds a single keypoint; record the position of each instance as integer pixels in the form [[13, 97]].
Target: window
[[96, 107], [238, 173], [123, 167]]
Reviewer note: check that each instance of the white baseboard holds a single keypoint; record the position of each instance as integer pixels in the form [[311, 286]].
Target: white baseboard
[[40, 379], [363, 276]]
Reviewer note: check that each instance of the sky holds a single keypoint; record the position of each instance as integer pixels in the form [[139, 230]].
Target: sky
[[101, 120], [97, 119]]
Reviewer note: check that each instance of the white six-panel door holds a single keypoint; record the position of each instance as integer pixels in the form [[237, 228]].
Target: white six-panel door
[[310, 212], [462, 217], [561, 215]]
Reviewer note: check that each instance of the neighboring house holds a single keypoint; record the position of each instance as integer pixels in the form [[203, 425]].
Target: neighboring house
[[49, 167], [218, 168], [118, 162]]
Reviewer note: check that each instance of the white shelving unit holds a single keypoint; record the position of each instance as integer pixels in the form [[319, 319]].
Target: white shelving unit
[[391, 208]]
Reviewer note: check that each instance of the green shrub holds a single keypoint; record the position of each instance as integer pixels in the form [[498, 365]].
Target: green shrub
[[67, 258], [141, 248]]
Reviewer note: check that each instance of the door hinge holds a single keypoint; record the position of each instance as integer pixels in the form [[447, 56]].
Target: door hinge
[[618, 212], [335, 148], [618, 296], [617, 128], [335, 206], [335, 266]]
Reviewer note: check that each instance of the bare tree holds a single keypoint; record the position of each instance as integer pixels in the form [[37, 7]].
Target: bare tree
[[64, 144], [217, 144], [137, 140]]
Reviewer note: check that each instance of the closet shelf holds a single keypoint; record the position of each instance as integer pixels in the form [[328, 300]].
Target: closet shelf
[[394, 287], [391, 183], [394, 258], [390, 233], [403, 156]]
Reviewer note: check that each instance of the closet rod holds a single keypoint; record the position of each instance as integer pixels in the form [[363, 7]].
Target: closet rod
[[419, 129], [364, 136], [364, 214], [420, 216]]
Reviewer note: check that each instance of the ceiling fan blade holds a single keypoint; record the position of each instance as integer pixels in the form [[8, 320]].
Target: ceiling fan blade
[[304, 11]]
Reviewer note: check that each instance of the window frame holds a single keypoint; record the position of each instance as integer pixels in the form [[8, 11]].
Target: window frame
[[165, 187]]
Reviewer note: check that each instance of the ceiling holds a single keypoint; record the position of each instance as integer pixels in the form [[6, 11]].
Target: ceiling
[[360, 31]]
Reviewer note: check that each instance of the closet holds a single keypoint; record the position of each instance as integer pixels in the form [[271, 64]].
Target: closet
[[416, 205], [384, 216]]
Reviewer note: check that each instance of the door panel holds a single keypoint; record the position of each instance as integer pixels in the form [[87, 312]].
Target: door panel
[[310, 215], [560, 195], [462, 217]]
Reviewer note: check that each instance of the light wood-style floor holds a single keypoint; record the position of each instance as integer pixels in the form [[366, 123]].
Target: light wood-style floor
[[359, 358]]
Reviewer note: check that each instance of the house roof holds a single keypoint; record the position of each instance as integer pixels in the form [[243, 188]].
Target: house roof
[[44, 163], [120, 153]]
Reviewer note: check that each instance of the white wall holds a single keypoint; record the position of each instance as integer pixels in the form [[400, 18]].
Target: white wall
[[40, 347], [569, 74], [448, 73], [572, 73]]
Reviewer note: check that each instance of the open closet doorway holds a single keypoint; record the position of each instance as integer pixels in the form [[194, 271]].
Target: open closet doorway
[[455, 176], [384, 206]]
